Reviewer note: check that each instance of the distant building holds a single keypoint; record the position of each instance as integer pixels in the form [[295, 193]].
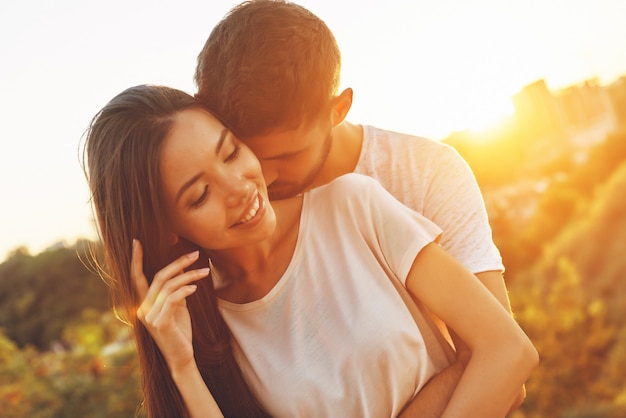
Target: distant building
[[579, 116], [539, 122], [616, 92], [588, 113], [57, 246], [537, 111]]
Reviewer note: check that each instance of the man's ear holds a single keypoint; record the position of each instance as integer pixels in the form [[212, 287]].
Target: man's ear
[[341, 105]]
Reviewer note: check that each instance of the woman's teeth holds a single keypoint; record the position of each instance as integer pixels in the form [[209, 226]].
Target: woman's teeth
[[253, 210]]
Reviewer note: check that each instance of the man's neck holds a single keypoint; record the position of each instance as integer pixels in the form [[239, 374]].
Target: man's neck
[[344, 153]]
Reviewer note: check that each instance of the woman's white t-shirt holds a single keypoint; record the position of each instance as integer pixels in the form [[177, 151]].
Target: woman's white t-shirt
[[333, 337]]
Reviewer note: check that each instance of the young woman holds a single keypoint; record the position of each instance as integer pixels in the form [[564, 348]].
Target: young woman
[[282, 309]]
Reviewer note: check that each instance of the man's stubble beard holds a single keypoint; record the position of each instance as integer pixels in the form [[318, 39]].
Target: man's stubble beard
[[286, 189]]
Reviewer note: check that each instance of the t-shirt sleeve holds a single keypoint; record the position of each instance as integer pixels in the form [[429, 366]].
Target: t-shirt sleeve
[[455, 203], [401, 232]]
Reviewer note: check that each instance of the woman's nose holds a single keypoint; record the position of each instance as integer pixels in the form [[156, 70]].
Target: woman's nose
[[238, 190]]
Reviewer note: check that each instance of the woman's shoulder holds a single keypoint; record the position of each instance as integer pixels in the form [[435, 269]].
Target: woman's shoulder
[[347, 190], [352, 183]]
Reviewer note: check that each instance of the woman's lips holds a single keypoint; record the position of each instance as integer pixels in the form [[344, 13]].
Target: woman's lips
[[251, 212]]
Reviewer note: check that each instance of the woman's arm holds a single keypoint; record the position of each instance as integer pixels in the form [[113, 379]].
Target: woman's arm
[[198, 399], [494, 282], [164, 313], [502, 356]]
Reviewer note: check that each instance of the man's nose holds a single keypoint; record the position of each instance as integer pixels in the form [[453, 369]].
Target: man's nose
[[270, 170]]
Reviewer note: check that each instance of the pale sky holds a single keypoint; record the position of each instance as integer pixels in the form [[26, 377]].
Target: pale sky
[[425, 67]]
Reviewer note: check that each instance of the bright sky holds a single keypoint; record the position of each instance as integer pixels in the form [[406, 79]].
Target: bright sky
[[421, 66]]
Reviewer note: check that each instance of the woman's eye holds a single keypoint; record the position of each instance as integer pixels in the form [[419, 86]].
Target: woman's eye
[[202, 198], [233, 155]]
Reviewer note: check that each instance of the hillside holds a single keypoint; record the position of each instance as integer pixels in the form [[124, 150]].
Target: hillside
[[572, 303], [559, 224]]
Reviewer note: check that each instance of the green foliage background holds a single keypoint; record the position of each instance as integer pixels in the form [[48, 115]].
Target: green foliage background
[[559, 224], [62, 351], [561, 229]]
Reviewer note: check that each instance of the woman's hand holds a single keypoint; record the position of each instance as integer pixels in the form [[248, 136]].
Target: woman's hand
[[163, 310], [164, 313]]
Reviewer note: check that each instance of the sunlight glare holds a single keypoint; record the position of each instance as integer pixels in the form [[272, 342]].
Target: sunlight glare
[[476, 62]]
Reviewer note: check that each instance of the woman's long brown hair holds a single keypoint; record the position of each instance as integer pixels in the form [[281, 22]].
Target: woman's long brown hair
[[121, 163]]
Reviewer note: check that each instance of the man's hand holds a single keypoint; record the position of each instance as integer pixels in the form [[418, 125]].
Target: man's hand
[[433, 398]]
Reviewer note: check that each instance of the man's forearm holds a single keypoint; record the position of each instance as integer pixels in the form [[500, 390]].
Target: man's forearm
[[432, 399]]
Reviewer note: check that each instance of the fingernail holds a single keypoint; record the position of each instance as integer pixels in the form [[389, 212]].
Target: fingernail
[[134, 243], [204, 271], [193, 254]]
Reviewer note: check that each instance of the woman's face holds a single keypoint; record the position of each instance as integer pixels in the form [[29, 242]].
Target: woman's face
[[214, 191]]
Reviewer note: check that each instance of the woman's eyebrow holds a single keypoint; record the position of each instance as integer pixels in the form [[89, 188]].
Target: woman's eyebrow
[[221, 140], [187, 185]]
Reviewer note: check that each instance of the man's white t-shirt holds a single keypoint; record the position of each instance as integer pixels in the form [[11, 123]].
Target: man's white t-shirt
[[431, 178], [333, 337]]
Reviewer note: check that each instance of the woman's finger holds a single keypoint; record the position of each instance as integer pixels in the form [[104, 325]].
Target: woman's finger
[[159, 291], [175, 267], [136, 270], [173, 285], [157, 319], [149, 292]]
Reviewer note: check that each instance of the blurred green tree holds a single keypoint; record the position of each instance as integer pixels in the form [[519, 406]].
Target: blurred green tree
[[41, 295]]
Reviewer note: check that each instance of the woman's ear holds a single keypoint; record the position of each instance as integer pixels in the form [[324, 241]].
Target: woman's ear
[[174, 240], [341, 105]]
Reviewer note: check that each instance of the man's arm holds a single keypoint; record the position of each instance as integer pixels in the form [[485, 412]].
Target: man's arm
[[432, 399]]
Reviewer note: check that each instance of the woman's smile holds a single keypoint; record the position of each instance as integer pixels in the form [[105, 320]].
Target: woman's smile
[[213, 184], [254, 211]]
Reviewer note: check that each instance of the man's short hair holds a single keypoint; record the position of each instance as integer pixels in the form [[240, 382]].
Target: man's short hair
[[269, 64]]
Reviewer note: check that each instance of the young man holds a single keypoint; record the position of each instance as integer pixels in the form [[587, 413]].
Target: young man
[[271, 70]]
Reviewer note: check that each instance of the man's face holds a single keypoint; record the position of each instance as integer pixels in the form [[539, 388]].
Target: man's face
[[292, 159]]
